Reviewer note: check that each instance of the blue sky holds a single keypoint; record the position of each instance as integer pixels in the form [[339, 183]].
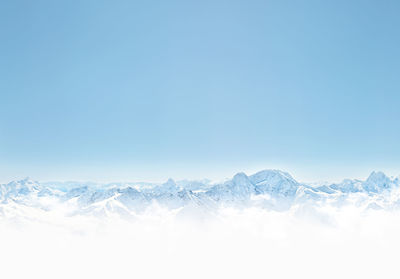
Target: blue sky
[[146, 90]]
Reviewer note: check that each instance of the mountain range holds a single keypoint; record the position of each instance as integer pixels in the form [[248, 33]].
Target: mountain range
[[268, 189]]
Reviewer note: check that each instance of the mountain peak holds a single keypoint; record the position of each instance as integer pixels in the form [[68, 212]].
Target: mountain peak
[[271, 173], [377, 176], [26, 181], [274, 182], [377, 181], [167, 187], [170, 182], [240, 177]]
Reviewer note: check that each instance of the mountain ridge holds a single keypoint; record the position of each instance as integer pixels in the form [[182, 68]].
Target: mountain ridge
[[271, 189]]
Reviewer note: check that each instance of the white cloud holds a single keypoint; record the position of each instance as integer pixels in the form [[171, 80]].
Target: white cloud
[[250, 243]]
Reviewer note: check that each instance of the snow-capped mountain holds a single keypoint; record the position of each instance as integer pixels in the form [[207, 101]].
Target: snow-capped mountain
[[274, 182], [378, 182], [271, 189], [26, 190]]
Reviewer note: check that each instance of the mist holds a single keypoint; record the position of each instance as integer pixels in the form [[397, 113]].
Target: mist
[[347, 242]]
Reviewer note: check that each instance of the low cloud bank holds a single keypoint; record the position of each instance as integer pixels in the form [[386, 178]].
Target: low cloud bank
[[303, 242]]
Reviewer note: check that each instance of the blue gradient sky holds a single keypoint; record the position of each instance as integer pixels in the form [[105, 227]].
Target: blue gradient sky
[[146, 90]]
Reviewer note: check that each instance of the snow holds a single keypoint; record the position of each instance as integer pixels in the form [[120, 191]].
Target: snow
[[268, 189], [252, 226]]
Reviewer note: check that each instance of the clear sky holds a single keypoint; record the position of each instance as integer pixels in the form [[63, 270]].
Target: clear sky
[[146, 90]]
